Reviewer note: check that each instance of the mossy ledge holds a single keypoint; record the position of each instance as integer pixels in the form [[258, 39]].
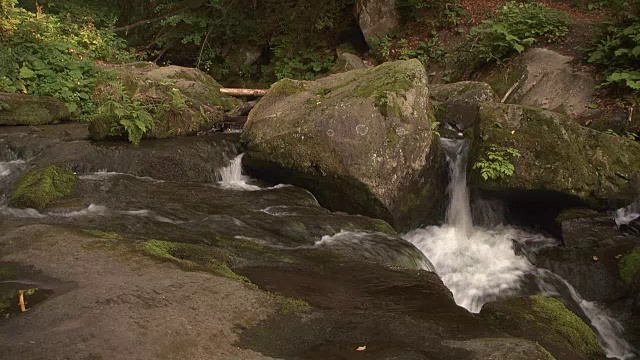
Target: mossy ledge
[[629, 265], [40, 186], [547, 321]]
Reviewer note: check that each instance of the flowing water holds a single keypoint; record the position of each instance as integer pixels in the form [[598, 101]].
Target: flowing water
[[479, 264]]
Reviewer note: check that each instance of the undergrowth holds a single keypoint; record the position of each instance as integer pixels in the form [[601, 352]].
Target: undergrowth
[[617, 50], [44, 55], [515, 27]]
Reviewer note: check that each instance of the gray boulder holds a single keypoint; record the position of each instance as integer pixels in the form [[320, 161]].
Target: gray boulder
[[376, 19], [458, 103], [360, 141], [545, 79], [347, 62]]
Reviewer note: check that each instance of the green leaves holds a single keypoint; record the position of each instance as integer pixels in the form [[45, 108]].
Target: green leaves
[[515, 27], [496, 163], [131, 114], [42, 56], [617, 51]]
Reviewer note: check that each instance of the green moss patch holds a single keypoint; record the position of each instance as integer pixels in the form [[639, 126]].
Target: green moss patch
[[629, 265], [194, 257], [39, 187], [287, 87], [547, 321]]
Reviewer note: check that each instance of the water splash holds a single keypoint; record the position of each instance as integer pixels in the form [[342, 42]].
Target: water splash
[[626, 215], [480, 265], [7, 167], [232, 177]]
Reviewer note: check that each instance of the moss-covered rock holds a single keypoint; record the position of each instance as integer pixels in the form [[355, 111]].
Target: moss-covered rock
[[548, 322], [458, 103], [360, 141], [19, 109], [182, 101], [629, 265], [557, 157], [39, 187]]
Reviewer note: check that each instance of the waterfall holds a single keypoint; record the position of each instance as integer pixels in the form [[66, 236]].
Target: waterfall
[[480, 265], [232, 177]]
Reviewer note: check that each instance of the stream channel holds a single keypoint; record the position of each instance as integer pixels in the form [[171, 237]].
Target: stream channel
[[198, 195]]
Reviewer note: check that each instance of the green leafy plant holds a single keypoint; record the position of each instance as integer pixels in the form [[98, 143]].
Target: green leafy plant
[[390, 49], [42, 55], [496, 163], [617, 51], [131, 114], [516, 26], [302, 65]]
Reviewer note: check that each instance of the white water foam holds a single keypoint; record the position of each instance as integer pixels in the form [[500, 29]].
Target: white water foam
[[104, 174], [7, 167], [233, 178], [627, 214], [479, 265]]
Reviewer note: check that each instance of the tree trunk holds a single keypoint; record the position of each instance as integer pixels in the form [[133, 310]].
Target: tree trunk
[[243, 92]]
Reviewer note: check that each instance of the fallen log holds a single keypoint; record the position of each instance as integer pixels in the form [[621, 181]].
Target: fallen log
[[243, 92]]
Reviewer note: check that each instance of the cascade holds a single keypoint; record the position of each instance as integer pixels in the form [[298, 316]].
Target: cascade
[[479, 264]]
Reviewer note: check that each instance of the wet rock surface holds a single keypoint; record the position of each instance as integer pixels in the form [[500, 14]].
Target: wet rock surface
[[173, 266]]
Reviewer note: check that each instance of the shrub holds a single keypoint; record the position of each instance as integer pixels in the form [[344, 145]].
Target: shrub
[[43, 56], [617, 50], [516, 26]]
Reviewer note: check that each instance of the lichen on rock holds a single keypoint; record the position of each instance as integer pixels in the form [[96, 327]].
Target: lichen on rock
[[360, 141]]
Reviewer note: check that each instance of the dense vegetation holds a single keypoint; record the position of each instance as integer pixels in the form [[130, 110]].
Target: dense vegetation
[[46, 55], [55, 48], [617, 51]]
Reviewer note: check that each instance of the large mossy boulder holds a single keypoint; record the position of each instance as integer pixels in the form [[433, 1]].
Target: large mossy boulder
[[19, 109], [548, 322], [558, 159], [360, 141], [182, 101], [40, 186]]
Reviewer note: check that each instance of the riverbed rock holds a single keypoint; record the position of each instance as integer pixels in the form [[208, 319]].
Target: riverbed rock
[[377, 18], [360, 141], [548, 322], [19, 109], [543, 78], [457, 104], [559, 159], [182, 101]]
